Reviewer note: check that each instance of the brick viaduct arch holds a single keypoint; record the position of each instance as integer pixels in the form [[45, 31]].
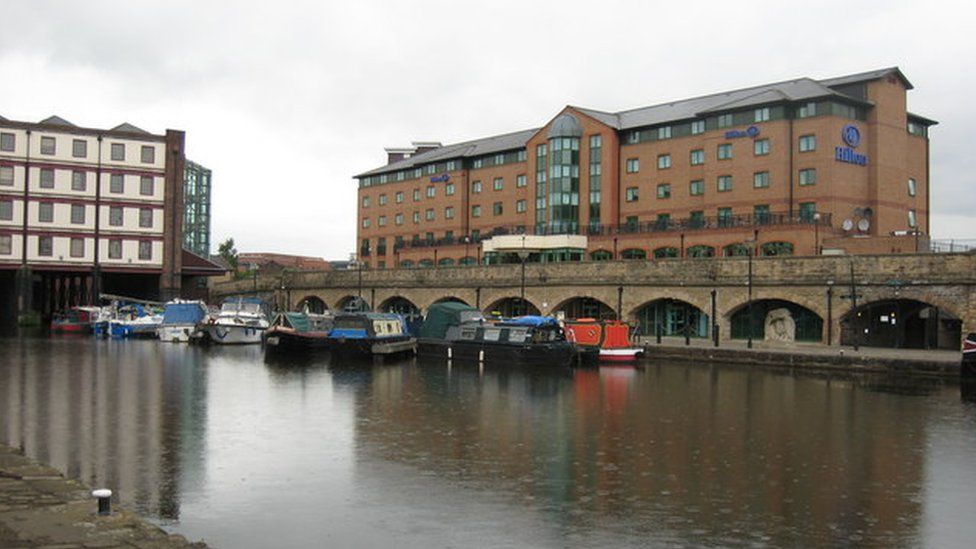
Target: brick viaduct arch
[[821, 284]]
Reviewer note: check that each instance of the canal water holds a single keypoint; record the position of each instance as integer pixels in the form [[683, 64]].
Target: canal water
[[224, 445]]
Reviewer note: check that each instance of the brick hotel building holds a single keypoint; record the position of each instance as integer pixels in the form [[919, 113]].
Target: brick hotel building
[[800, 167]]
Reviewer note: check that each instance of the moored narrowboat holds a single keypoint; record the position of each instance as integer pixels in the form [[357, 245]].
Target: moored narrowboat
[[299, 332], [370, 334], [610, 339]]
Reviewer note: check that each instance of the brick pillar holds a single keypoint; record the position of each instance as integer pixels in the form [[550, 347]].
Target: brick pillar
[[169, 280]]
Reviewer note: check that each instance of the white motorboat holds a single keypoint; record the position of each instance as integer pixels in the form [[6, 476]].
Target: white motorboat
[[182, 320], [241, 320]]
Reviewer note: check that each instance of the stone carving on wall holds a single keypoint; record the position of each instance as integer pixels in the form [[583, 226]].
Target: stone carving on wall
[[780, 326]]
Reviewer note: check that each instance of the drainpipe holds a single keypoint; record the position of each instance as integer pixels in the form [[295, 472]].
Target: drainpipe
[[792, 147]]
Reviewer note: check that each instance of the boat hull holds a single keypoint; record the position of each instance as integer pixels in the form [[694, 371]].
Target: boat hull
[[223, 334], [546, 354], [373, 346], [178, 333], [288, 340]]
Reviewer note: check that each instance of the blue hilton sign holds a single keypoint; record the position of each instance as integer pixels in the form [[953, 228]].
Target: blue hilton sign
[[440, 178], [751, 131], [852, 138]]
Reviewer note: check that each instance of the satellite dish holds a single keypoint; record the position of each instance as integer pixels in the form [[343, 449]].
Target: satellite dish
[[848, 224], [858, 212], [863, 224], [868, 212]]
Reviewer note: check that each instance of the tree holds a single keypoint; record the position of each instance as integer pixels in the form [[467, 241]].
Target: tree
[[228, 253]]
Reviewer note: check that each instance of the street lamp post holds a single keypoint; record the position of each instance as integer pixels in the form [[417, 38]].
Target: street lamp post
[[816, 233], [522, 256], [751, 244]]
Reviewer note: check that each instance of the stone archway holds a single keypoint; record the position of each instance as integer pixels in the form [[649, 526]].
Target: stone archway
[[787, 321], [672, 317], [312, 304], [901, 323], [585, 307], [511, 306]]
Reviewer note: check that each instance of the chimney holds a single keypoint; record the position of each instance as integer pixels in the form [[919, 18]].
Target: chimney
[[424, 146]]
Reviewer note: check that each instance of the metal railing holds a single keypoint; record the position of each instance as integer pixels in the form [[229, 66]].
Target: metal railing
[[952, 245]]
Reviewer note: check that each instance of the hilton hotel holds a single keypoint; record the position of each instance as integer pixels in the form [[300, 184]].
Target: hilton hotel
[[803, 167]]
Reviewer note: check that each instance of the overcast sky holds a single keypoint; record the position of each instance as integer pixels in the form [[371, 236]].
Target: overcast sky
[[286, 100]]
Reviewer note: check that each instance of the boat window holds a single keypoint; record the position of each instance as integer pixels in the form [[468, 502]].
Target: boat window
[[492, 334], [348, 323], [468, 333], [518, 336]]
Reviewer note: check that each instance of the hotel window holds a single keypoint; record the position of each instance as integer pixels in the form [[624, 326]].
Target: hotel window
[[431, 191], [148, 154], [697, 127], [449, 189], [520, 156], [47, 178], [365, 201], [476, 187], [417, 173], [633, 165], [807, 110], [696, 187], [7, 142], [146, 185], [48, 145], [145, 250], [807, 211], [77, 248], [663, 161], [496, 208], [382, 200], [431, 169], [662, 222], [664, 132], [400, 176], [78, 181], [633, 137], [45, 212], [6, 244], [808, 176], [383, 178], [381, 221], [6, 210], [498, 184], [760, 180], [761, 147], [398, 219], [115, 216], [520, 181], [911, 186], [118, 151], [761, 115], [499, 159], [477, 163], [45, 246], [6, 176], [115, 249], [697, 157], [912, 219], [724, 183], [451, 165], [664, 190], [725, 151], [449, 212], [398, 197], [429, 214], [724, 217], [520, 206], [116, 183], [476, 211], [416, 195], [596, 141], [697, 219], [79, 148], [808, 143], [365, 222], [416, 217], [633, 193], [631, 223], [724, 120], [760, 214]]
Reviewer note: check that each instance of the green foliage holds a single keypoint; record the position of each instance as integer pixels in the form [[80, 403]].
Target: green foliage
[[228, 253]]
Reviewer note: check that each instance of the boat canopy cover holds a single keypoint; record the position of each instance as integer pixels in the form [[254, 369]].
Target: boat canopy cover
[[184, 313], [297, 321], [531, 320], [449, 313]]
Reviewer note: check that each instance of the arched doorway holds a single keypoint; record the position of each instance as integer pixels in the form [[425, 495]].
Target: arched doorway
[[808, 324], [511, 306], [586, 307], [451, 299], [901, 324], [311, 304], [352, 303], [400, 306], [672, 317]]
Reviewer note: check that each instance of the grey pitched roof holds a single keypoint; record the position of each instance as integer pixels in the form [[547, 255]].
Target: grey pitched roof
[[126, 127], [467, 149], [2, 118], [57, 121], [796, 90]]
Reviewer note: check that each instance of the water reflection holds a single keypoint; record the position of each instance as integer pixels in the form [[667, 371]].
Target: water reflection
[[248, 450]]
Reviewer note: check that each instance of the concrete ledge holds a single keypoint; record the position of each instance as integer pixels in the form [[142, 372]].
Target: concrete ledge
[[837, 360]]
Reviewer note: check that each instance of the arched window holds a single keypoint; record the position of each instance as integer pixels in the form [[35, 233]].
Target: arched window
[[777, 248], [425, 263], [446, 262], [406, 264], [633, 253], [468, 261], [601, 255], [665, 252], [735, 250], [701, 250]]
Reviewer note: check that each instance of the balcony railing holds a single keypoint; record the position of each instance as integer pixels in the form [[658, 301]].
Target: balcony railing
[[645, 227]]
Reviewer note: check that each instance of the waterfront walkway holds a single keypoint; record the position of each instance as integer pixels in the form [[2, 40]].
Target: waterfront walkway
[[39, 508], [815, 356]]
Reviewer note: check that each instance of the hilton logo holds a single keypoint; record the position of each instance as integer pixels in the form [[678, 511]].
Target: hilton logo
[[852, 137], [440, 178], [751, 131]]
